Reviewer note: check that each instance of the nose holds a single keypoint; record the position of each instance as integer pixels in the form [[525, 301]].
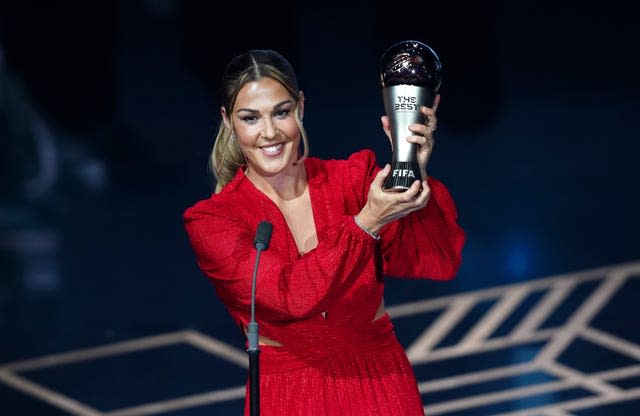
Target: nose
[[269, 131]]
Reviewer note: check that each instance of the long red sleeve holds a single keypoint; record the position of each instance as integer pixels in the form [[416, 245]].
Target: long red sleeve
[[426, 243], [288, 287]]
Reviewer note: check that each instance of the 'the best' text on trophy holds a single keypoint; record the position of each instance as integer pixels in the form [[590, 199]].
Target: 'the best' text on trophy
[[410, 76]]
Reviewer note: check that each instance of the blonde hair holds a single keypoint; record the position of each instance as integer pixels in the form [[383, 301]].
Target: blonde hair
[[226, 157]]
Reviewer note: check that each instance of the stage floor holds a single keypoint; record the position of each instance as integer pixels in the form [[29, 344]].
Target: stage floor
[[560, 345]]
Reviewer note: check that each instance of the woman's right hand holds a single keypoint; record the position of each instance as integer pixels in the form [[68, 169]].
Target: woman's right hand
[[383, 207]]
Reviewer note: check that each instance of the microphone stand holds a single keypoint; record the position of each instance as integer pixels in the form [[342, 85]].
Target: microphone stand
[[254, 350], [261, 242]]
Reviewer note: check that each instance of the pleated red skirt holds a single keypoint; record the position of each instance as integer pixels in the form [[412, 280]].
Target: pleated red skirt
[[378, 382]]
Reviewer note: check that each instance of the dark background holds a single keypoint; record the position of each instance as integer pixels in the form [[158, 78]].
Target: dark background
[[113, 106]]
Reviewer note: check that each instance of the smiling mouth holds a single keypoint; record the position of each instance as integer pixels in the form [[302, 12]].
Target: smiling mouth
[[273, 149]]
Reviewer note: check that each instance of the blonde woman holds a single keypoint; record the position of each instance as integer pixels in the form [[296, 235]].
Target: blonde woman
[[327, 345]]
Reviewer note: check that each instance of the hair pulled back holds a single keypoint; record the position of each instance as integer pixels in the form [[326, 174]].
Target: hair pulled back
[[226, 157]]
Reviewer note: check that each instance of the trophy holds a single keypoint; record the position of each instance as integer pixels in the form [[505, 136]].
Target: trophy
[[410, 76]]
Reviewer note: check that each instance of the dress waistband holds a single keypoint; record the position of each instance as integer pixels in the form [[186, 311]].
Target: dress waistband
[[378, 334]]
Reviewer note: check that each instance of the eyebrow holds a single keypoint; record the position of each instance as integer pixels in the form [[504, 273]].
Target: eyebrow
[[281, 103]]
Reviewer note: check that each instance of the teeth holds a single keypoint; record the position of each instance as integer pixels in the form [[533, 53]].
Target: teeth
[[273, 148]]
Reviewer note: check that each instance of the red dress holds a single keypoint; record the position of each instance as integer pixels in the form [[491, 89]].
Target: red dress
[[344, 362]]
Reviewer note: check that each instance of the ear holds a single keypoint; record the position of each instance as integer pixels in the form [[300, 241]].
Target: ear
[[386, 128], [301, 105], [225, 118]]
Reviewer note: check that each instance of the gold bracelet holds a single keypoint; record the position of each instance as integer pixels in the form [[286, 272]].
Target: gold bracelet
[[365, 229]]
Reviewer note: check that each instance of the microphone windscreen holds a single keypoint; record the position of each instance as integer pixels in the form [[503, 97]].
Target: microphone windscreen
[[263, 235]]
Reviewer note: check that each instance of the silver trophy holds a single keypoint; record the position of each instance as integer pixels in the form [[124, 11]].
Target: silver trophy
[[410, 76]]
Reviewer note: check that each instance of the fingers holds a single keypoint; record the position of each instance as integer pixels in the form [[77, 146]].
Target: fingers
[[423, 140], [432, 120], [415, 191], [416, 197], [378, 181], [419, 192], [385, 207], [430, 125], [425, 194], [426, 129], [431, 113], [436, 102], [385, 123], [425, 143]]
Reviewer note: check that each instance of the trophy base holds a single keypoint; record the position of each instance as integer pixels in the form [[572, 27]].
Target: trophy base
[[402, 175]]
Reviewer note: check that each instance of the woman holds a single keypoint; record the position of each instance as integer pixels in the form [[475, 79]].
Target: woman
[[327, 345]]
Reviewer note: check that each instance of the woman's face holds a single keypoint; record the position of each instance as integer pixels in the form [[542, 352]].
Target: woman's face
[[265, 127]]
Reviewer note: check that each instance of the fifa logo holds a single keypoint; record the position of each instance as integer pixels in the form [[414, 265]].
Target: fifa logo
[[403, 173]]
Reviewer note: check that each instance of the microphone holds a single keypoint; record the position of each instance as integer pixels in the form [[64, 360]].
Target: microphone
[[263, 235], [260, 242]]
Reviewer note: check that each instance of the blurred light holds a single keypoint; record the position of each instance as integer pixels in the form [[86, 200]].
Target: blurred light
[[93, 174], [38, 250], [519, 252], [517, 261]]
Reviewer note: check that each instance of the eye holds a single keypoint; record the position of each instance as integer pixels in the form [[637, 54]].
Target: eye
[[283, 114], [249, 119]]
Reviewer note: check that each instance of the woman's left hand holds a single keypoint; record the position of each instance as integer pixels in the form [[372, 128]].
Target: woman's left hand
[[423, 136]]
